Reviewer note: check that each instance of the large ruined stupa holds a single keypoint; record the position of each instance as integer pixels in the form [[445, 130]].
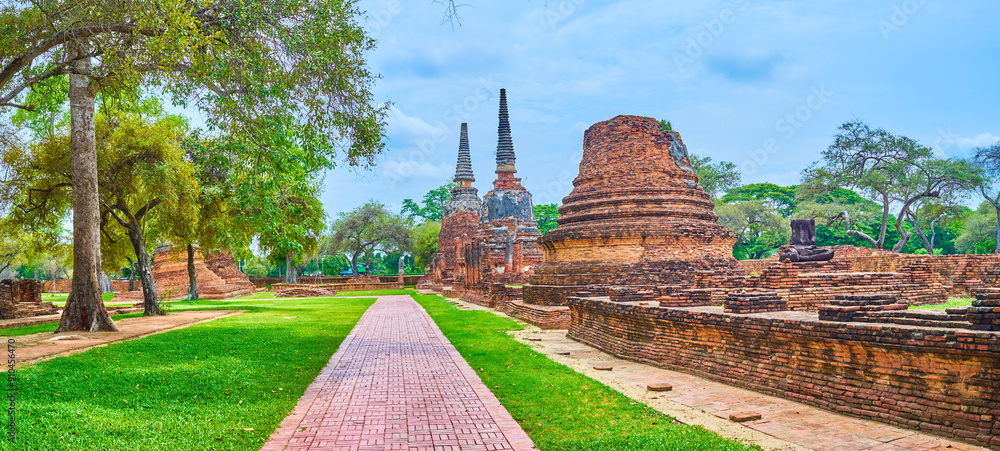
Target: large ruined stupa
[[459, 220], [636, 218]]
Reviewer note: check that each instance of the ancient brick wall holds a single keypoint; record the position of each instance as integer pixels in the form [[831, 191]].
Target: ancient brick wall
[[64, 285], [938, 380], [959, 274], [806, 285], [22, 298]]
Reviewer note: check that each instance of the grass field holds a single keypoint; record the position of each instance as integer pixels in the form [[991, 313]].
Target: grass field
[[59, 299], [952, 303], [558, 407], [223, 385]]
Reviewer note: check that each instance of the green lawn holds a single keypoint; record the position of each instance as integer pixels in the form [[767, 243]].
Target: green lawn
[[558, 407], [223, 385], [59, 299], [952, 303]]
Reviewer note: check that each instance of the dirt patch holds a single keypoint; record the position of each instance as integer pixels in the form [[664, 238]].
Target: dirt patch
[[42, 346]]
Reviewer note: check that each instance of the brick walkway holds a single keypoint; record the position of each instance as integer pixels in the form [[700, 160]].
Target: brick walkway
[[397, 383]]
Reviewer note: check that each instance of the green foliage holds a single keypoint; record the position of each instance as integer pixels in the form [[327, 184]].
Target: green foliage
[[760, 229], [977, 234], [889, 170], [715, 178], [433, 204], [368, 228], [546, 216], [226, 384], [778, 198], [425, 243], [559, 408], [665, 125], [253, 66]]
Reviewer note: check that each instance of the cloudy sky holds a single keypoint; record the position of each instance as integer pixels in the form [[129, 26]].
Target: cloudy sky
[[763, 84]]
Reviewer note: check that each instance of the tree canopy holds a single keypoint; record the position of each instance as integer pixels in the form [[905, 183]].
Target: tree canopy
[[433, 204]]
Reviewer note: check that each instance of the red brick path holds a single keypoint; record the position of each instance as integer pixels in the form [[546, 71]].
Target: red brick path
[[396, 383]]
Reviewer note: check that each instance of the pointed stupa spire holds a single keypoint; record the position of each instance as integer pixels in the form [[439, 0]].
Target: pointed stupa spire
[[505, 146], [463, 171]]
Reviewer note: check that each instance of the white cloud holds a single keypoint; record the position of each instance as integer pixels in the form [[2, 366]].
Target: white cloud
[[394, 170], [414, 127], [952, 141]]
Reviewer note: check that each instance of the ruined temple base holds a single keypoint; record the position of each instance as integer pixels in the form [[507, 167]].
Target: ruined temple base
[[22, 299], [938, 380], [542, 316]]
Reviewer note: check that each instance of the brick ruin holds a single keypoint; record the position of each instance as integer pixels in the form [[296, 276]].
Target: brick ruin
[[505, 249], [958, 275], [217, 274], [459, 220], [23, 298], [636, 221], [863, 355], [489, 241], [639, 268]]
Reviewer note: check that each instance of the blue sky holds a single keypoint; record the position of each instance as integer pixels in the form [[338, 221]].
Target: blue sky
[[763, 84]]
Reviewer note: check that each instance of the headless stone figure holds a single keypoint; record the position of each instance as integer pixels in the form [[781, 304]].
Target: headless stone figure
[[803, 248]]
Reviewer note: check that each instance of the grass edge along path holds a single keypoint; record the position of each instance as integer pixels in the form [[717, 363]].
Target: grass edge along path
[[559, 408], [224, 384]]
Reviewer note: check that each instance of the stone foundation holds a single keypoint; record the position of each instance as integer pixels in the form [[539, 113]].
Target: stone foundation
[[940, 380], [959, 275]]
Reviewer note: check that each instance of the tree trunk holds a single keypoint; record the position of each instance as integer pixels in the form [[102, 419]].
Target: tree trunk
[[131, 276], [354, 266], [106, 283], [997, 250], [885, 222], [289, 269], [150, 304], [84, 309], [192, 275]]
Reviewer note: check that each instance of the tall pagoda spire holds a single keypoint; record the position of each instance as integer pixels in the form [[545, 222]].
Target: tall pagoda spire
[[505, 146], [463, 171]]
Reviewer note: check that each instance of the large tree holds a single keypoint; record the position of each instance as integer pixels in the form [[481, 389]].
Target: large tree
[[890, 170], [141, 171], [368, 228], [433, 204], [760, 229], [715, 178], [988, 159], [249, 64]]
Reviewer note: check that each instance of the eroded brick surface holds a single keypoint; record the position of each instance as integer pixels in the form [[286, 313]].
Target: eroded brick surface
[[397, 383], [636, 217], [940, 380]]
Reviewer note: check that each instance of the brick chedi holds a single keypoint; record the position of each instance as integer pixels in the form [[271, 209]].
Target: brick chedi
[[506, 246], [636, 218], [459, 220]]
